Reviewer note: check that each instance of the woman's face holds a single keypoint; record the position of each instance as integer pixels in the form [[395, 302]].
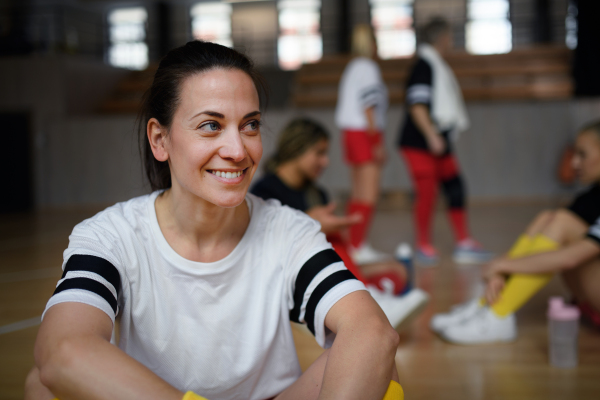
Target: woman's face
[[214, 143], [586, 160], [313, 161]]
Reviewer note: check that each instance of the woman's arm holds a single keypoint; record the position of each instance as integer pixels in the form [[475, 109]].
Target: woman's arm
[[331, 223], [361, 362], [77, 361], [420, 116], [562, 259]]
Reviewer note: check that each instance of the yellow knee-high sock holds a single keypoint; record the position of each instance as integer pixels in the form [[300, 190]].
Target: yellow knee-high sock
[[521, 287], [394, 392]]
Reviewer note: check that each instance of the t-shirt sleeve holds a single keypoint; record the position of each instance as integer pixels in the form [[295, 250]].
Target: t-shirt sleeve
[[419, 85], [90, 270], [371, 88], [317, 276], [594, 232], [587, 205]]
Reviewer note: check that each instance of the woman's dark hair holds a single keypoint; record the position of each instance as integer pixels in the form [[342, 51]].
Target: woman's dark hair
[[435, 28], [162, 98], [297, 137]]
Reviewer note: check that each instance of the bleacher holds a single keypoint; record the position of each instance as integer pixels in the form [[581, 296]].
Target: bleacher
[[541, 73]]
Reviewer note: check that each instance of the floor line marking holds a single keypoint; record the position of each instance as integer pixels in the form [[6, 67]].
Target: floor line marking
[[17, 326]]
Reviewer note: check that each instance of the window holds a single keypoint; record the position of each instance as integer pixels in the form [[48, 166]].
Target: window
[[212, 22], [127, 35], [300, 39], [488, 29], [393, 24]]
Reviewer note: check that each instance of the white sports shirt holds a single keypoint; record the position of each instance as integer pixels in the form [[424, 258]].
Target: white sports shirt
[[361, 87], [220, 329]]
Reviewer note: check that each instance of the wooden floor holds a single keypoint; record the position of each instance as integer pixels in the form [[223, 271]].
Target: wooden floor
[[31, 254]]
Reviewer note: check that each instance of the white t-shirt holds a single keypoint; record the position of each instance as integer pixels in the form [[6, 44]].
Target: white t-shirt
[[220, 329], [361, 87]]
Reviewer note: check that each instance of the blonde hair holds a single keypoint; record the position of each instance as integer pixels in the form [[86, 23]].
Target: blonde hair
[[363, 41]]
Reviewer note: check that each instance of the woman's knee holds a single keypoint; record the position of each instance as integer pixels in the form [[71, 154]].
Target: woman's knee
[[565, 227]]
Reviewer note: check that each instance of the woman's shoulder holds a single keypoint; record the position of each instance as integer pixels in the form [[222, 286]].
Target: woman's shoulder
[[118, 219]]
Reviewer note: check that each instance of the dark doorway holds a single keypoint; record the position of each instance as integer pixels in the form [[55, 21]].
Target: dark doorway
[[15, 164]]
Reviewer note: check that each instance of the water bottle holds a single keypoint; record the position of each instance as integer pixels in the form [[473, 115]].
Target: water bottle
[[404, 256], [563, 331]]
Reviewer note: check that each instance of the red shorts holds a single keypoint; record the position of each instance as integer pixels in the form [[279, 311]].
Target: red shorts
[[358, 145]]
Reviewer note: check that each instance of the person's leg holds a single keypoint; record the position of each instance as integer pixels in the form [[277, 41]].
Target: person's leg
[[561, 229], [365, 192], [583, 282], [377, 273], [341, 248], [34, 389], [422, 167], [454, 191]]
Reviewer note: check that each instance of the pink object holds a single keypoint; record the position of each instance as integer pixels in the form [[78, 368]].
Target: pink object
[[559, 311]]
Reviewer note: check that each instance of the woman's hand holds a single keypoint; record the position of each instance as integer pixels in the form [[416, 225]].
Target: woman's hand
[[379, 154], [331, 223], [495, 284], [436, 144]]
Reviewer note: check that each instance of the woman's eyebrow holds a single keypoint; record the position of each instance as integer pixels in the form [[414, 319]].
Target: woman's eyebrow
[[219, 115]]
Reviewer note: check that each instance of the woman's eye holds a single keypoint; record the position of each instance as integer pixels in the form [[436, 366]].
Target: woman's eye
[[210, 127], [252, 126]]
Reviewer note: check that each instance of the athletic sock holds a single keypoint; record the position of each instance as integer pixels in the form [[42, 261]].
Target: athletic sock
[[521, 287], [359, 231], [458, 220], [521, 247]]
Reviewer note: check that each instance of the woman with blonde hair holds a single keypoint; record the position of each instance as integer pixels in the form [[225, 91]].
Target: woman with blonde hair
[[361, 116]]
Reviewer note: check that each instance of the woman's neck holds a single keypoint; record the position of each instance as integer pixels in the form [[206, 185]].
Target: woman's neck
[[291, 176], [198, 230]]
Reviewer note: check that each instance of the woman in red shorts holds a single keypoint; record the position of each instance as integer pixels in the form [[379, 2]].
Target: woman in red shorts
[[360, 115]]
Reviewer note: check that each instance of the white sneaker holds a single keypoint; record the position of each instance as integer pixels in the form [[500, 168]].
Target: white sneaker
[[483, 327], [458, 313], [400, 310], [365, 254]]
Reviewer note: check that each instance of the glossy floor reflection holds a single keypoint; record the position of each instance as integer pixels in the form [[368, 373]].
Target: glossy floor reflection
[[31, 249]]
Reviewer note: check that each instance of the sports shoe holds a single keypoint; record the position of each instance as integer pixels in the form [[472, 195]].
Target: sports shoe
[[365, 254], [483, 327], [400, 310], [426, 256], [458, 313], [469, 251]]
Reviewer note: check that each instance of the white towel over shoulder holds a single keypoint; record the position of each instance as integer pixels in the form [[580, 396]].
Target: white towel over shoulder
[[448, 109]]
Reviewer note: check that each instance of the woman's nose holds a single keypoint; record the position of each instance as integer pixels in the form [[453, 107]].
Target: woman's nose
[[233, 146]]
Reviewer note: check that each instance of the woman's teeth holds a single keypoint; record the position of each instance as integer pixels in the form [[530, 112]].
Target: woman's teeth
[[227, 175]]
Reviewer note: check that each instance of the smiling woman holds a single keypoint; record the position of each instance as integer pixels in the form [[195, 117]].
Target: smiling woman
[[203, 277]]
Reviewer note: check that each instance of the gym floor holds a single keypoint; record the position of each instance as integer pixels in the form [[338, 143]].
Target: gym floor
[[31, 247]]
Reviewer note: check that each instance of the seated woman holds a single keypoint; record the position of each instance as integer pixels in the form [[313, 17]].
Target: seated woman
[[204, 278], [565, 241], [300, 158]]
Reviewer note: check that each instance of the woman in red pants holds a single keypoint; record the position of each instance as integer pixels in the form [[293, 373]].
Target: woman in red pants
[[436, 114]]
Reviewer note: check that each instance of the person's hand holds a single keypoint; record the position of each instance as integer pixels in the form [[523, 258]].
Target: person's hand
[[331, 223], [436, 144], [493, 288], [379, 154]]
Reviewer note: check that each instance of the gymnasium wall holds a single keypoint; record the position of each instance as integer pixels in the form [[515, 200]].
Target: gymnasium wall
[[510, 153]]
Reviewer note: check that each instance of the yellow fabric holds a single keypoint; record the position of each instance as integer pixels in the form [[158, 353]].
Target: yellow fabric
[[193, 396], [521, 287], [521, 247], [394, 392]]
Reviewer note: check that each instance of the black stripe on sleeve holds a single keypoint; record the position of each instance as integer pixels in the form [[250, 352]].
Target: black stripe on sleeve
[[97, 265], [320, 291], [89, 285], [307, 273]]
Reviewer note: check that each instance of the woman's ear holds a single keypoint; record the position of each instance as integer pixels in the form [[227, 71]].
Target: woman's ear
[[157, 137]]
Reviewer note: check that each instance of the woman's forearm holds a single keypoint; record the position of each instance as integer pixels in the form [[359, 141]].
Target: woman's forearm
[[554, 261], [420, 116], [77, 361], [371, 124], [361, 361]]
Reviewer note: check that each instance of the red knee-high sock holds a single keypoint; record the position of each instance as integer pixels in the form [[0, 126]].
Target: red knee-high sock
[[426, 191], [458, 220], [359, 231]]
